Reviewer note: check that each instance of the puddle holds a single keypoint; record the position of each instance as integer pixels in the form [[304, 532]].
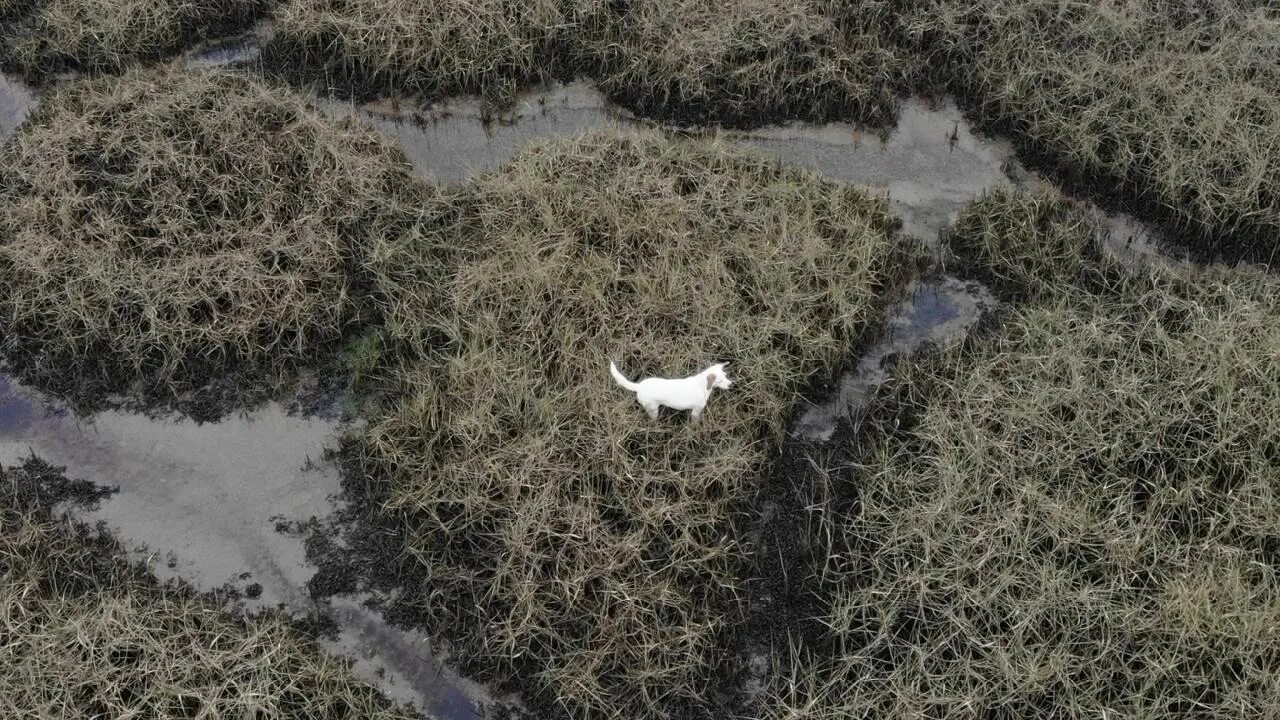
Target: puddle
[[1134, 242], [16, 100], [201, 502], [938, 312], [931, 165], [452, 140], [395, 657], [232, 52]]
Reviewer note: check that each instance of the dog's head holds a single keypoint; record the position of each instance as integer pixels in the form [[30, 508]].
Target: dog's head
[[716, 377]]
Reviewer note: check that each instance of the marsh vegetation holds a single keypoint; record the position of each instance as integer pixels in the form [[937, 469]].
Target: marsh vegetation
[[163, 226], [1073, 513], [525, 477], [88, 633], [1069, 514]]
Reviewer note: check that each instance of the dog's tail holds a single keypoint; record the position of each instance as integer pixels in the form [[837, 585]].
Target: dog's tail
[[622, 380]]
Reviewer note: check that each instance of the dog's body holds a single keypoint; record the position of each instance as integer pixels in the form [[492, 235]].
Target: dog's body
[[689, 393]]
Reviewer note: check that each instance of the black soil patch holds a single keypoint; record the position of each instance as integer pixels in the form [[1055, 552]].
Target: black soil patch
[[208, 395]]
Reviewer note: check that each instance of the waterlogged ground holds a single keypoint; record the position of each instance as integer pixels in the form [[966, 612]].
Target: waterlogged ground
[[930, 165], [221, 503], [15, 102], [214, 504]]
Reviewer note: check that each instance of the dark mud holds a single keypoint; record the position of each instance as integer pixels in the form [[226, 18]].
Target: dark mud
[[939, 312]]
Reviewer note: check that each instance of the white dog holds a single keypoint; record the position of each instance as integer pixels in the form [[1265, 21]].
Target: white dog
[[688, 393]]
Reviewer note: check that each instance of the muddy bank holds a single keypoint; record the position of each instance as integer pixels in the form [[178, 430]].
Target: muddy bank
[[938, 312]]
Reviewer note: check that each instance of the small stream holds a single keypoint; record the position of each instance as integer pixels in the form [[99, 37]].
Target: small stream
[[203, 502], [930, 166]]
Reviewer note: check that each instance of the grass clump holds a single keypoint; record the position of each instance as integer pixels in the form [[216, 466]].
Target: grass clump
[[743, 63], [109, 35], [724, 63], [445, 47], [1074, 515], [88, 634], [569, 542], [1174, 105], [989, 241], [162, 226]]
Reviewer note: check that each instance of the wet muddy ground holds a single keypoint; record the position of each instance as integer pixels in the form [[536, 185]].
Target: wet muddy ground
[[232, 502], [16, 101], [930, 165], [228, 504]]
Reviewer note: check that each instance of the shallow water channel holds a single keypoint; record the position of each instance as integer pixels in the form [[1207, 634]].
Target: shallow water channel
[[203, 501]]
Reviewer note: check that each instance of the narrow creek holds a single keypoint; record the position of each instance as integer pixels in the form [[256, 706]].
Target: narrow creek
[[203, 502]]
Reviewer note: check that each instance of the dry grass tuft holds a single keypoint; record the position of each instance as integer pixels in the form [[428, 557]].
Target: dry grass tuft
[[1073, 516], [164, 225], [566, 535], [723, 62], [989, 241], [87, 634], [1175, 104], [109, 35], [445, 47], [746, 62]]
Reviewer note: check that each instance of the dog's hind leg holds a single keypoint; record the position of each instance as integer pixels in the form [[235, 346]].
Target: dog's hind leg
[[652, 409]]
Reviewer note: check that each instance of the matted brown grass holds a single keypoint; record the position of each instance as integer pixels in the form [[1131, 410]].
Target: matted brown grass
[[747, 62], [164, 225], [1074, 515], [722, 62], [487, 47], [88, 634], [1174, 104], [572, 544], [109, 35]]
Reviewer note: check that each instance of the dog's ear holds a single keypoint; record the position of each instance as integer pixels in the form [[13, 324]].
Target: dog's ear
[[711, 380]]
